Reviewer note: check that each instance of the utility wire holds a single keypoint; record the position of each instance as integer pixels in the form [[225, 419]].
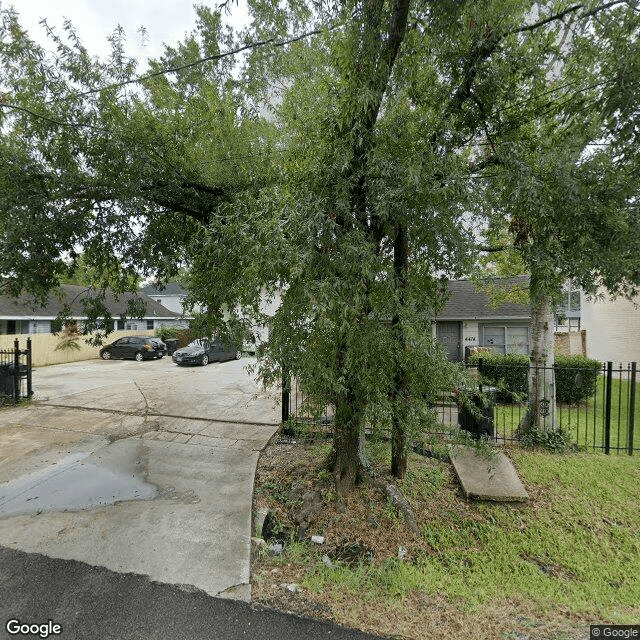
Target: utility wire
[[218, 56]]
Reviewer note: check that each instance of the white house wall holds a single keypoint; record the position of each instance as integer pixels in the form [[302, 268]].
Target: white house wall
[[470, 334], [613, 329], [173, 303]]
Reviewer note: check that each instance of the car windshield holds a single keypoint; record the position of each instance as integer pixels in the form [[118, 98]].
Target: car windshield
[[202, 344]]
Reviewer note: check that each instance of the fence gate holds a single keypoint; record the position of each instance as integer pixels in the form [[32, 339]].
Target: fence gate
[[15, 373]]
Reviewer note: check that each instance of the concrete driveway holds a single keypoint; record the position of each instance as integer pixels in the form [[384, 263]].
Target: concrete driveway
[[138, 467]]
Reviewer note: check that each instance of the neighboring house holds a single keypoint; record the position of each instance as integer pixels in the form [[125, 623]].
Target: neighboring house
[[468, 320], [170, 296], [269, 305], [612, 328], [567, 318], [23, 315]]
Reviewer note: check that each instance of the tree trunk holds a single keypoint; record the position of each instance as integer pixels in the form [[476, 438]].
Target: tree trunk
[[372, 70], [541, 406], [348, 458], [399, 434]]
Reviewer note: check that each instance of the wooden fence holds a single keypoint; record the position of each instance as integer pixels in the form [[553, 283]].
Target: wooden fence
[[44, 345]]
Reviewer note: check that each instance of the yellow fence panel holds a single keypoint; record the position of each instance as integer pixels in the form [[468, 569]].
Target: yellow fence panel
[[45, 351]]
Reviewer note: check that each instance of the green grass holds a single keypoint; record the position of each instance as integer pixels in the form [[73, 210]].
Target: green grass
[[575, 549], [585, 422]]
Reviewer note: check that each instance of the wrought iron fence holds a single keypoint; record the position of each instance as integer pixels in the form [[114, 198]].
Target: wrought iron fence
[[595, 406], [15, 373], [298, 407]]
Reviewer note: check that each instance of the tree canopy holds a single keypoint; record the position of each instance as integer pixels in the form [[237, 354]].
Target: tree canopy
[[364, 151]]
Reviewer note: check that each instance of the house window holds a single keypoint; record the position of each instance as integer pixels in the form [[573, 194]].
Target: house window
[[506, 339], [149, 324], [11, 327], [120, 325], [494, 338]]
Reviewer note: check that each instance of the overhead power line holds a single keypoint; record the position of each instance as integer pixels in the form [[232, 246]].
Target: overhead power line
[[218, 56]]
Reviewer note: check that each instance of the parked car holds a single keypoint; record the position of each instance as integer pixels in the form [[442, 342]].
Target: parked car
[[135, 347], [160, 347], [203, 352]]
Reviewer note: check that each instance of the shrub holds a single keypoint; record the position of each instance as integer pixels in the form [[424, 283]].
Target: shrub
[[510, 374], [554, 440], [168, 332], [576, 376]]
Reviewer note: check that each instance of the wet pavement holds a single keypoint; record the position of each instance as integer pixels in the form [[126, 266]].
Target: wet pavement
[[81, 481], [138, 467]]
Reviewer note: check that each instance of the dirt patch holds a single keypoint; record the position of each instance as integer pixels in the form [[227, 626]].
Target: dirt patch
[[363, 530]]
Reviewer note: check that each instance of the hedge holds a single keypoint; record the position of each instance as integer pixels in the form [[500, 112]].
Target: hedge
[[576, 376]]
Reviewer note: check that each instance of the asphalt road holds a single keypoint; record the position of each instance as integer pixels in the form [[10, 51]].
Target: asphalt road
[[94, 603]]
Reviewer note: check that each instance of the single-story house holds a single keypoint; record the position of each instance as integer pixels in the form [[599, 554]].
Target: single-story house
[[468, 320], [24, 316]]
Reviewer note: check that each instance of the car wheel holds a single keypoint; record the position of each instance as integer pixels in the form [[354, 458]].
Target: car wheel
[[238, 355], [205, 360], [139, 356], [106, 355]]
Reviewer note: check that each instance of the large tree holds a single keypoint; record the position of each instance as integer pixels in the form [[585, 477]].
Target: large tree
[[397, 130], [562, 183]]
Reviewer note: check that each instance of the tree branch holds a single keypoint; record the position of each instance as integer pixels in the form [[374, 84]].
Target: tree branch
[[489, 249], [552, 18], [219, 56], [567, 11], [75, 125]]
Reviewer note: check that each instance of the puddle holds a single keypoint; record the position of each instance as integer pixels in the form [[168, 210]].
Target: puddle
[[80, 481]]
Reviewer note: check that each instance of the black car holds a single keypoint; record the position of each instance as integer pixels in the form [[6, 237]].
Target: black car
[[203, 352], [135, 347]]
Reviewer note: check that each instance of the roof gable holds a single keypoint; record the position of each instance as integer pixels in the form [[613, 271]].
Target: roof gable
[[26, 307], [467, 303], [169, 289]]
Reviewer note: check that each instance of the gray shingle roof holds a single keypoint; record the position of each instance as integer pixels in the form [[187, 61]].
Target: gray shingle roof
[[25, 307], [170, 289], [467, 303]]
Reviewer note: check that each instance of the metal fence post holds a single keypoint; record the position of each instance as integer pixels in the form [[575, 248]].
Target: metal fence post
[[632, 408], [607, 408], [16, 371], [286, 390], [29, 360]]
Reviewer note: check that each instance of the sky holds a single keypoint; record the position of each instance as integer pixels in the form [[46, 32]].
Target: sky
[[166, 21]]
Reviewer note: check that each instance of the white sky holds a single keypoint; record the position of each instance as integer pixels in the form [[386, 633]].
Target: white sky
[[166, 21]]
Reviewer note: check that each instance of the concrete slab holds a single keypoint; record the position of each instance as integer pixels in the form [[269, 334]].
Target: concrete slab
[[193, 528], [128, 466], [487, 479]]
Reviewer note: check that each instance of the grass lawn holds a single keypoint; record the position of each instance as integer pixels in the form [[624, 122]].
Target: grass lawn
[[585, 422], [542, 570]]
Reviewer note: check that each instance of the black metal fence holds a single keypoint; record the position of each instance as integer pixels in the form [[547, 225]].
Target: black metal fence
[[15, 373], [597, 407], [297, 407]]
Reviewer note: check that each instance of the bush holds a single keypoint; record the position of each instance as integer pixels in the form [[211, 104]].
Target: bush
[[168, 332], [554, 440], [510, 374], [576, 376]]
